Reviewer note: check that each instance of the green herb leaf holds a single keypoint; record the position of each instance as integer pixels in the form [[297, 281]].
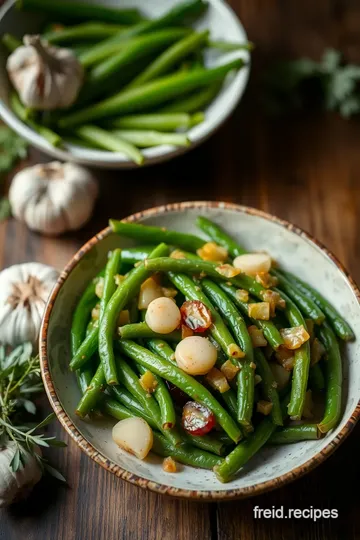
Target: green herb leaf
[[55, 473], [5, 208], [46, 421], [16, 461]]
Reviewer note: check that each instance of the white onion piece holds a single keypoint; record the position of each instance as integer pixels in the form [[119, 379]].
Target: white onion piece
[[281, 375], [149, 291], [163, 316], [253, 263], [133, 435], [195, 355]]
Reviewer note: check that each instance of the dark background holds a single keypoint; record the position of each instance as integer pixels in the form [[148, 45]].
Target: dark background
[[303, 168]]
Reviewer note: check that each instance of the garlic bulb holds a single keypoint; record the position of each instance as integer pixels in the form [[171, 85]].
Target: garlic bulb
[[45, 77], [24, 290], [16, 486], [53, 197]]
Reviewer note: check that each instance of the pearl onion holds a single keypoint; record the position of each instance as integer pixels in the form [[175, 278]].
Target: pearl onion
[[195, 355], [163, 316], [253, 263]]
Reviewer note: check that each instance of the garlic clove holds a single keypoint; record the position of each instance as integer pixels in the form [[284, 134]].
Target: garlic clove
[[133, 435]]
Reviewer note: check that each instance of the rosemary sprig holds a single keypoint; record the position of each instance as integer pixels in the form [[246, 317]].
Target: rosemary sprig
[[20, 379]]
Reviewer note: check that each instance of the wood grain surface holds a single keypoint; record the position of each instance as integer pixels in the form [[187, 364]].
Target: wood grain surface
[[304, 169]]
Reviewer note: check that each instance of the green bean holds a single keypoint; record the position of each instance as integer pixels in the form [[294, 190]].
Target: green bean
[[93, 55], [106, 140], [302, 362], [131, 382], [293, 434], [135, 49], [11, 42], [185, 454], [111, 270], [218, 235], [182, 380], [244, 451], [142, 331], [155, 235], [86, 350], [340, 326], [125, 292], [269, 329], [53, 138], [163, 63], [316, 378], [228, 46], [92, 394], [80, 32], [162, 396], [115, 409], [136, 254], [146, 138], [161, 348], [168, 264], [268, 385], [205, 442], [80, 10], [150, 94], [333, 375], [156, 121], [245, 378], [305, 304], [195, 102]]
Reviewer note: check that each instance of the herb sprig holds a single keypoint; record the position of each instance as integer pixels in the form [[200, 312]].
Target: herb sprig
[[20, 380]]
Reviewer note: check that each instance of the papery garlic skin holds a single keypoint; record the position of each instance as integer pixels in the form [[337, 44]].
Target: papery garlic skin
[[16, 486], [45, 77], [53, 198], [24, 290]]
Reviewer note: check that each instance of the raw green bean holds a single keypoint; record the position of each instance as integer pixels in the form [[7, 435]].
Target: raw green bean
[[93, 55], [163, 63], [245, 377], [11, 42], [218, 235], [228, 46], [137, 48], [52, 138], [150, 94], [147, 138], [316, 378], [131, 382], [196, 101], [108, 141], [247, 448], [142, 331], [92, 394], [340, 326], [156, 121], [268, 385], [182, 380], [269, 329], [80, 32], [155, 235], [293, 434], [302, 362], [121, 297], [306, 305], [79, 10], [168, 264], [185, 454], [162, 396], [333, 375]]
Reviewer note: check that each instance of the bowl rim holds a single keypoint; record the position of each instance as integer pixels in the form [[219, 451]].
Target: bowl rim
[[210, 495], [153, 155]]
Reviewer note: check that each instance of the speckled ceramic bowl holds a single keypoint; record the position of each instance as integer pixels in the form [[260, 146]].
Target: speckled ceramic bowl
[[273, 466]]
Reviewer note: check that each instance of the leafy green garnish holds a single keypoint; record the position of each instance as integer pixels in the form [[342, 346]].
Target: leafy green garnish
[[328, 83], [20, 378]]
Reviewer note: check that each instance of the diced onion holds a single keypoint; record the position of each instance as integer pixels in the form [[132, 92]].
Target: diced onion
[[294, 337], [124, 317], [227, 270], [99, 287], [274, 299], [234, 351], [229, 370], [317, 351], [95, 313], [150, 290], [119, 279], [253, 263], [266, 280], [259, 311], [177, 254], [257, 336], [264, 407], [281, 375], [133, 435], [212, 252], [195, 355], [148, 382], [169, 465], [217, 380], [242, 295]]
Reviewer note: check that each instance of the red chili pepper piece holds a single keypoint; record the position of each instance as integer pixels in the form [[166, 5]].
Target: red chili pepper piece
[[197, 419], [195, 315]]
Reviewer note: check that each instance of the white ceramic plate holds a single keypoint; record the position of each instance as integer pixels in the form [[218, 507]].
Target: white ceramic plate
[[272, 466], [224, 25]]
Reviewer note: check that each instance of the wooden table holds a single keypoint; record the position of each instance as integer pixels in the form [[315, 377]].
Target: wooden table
[[303, 169]]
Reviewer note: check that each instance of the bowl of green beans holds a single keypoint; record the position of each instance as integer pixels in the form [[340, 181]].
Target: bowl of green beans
[[159, 77], [204, 350]]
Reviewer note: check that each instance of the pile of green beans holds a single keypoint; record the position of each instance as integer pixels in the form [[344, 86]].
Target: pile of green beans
[[109, 360], [145, 83]]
